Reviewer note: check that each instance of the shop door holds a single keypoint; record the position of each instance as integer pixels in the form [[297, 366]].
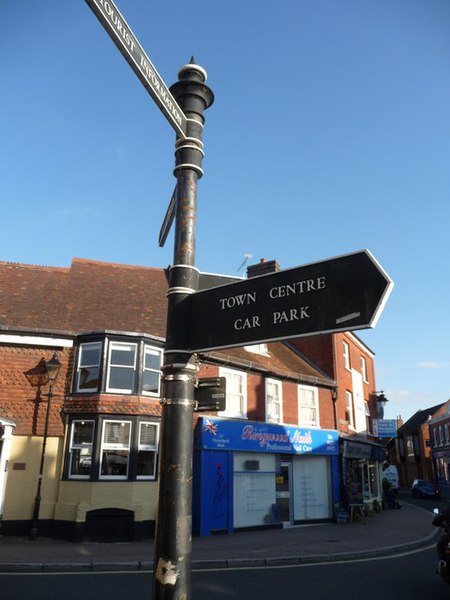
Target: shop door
[[283, 492]]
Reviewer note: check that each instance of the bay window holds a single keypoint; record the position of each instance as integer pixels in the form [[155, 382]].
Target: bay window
[[118, 366]]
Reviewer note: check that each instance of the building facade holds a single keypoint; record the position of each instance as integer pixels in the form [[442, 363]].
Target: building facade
[[411, 450], [439, 432], [297, 442]]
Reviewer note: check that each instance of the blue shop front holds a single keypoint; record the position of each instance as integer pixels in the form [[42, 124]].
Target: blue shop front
[[255, 474]]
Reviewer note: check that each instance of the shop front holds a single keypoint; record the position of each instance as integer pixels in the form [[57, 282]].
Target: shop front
[[253, 474], [362, 471]]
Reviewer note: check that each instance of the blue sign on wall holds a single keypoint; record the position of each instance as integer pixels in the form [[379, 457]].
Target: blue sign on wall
[[383, 428], [252, 436]]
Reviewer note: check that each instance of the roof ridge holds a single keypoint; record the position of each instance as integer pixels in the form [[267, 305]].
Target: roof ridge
[[93, 261], [31, 266]]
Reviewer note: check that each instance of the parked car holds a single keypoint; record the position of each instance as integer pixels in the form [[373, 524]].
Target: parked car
[[422, 488]]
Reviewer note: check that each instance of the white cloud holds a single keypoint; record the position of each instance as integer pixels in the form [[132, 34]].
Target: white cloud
[[429, 364]]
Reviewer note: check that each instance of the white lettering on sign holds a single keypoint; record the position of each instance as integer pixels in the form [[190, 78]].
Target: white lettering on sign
[[299, 287], [294, 314], [121, 34], [120, 27], [153, 78], [240, 300], [249, 323]]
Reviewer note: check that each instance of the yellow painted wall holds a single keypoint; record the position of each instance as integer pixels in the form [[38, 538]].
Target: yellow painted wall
[[22, 481], [76, 498], [66, 500]]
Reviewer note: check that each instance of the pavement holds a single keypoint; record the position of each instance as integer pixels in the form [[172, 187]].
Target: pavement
[[389, 532]]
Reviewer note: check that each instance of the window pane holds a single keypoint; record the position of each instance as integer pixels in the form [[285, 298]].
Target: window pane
[[90, 354], [146, 463], [115, 462], [83, 433], [88, 378], [123, 354], [148, 434], [150, 382], [80, 461], [117, 433], [89, 366], [121, 378], [152, 359]]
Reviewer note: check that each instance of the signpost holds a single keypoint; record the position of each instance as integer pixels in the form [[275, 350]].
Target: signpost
[[344, 293], [168, 219], [183, 106], [339, 294], [120, 33]]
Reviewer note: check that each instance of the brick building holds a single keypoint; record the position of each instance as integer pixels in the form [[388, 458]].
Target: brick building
[[107, 324], [439, 448], [411, 451]]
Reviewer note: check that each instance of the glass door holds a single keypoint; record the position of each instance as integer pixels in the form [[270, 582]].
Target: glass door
[[283, 492]]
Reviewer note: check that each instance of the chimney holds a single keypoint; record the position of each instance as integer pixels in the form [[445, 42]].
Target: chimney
[[262, 268]]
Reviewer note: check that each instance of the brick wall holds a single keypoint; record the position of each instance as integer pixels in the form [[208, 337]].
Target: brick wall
[[24, 389]]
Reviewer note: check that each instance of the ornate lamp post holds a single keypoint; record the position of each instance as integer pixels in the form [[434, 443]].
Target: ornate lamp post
[[53, 366]]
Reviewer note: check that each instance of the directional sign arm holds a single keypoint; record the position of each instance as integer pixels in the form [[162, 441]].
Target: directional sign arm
[[340, 294], [120, 32]]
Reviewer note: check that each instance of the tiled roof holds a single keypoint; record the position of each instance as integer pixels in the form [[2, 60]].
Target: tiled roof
[[100, 296], [280, 361], [91, 295], [419, 418]]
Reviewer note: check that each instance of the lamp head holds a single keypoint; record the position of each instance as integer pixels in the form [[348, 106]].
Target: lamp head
[[53, 366]]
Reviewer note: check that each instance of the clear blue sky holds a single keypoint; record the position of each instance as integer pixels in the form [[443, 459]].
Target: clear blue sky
[[330, 133]]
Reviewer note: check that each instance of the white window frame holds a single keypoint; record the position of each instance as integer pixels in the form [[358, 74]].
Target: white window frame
[[446, 432], [346, 353], [82, 446], [275, 398], [230, 376], [350, 404], [88, 366], [150, 448], [364, 369], [314, 393], [155, 351], [112, 346], [115, 446]]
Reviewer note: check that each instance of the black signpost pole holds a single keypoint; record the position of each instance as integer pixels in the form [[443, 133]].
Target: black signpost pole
[[172, 559]]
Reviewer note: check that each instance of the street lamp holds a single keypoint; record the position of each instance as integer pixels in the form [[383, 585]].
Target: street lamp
[[381, 403], [53, 365]]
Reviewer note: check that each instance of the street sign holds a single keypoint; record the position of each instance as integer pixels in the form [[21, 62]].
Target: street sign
[[385, 428], [339, 294], [210, 394], [168, 219], [125, 40]]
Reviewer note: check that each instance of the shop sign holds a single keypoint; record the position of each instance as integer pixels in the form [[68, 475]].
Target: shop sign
[[251, 436], [385, 428], [357, 450]]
